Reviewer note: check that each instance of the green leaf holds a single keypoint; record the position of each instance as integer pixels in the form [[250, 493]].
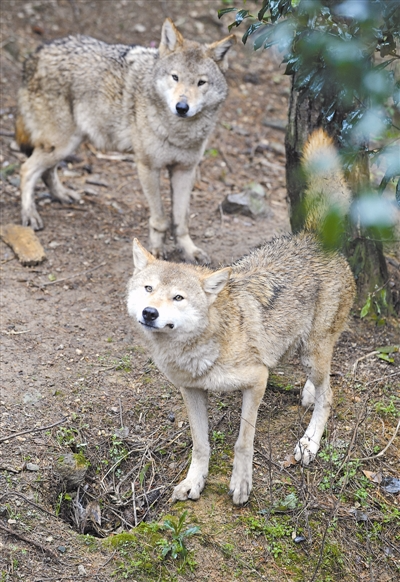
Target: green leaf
[[387, 349], [250, 31], [240, 16], [386, 358], [225, 11], [366, 307], [191, 531]]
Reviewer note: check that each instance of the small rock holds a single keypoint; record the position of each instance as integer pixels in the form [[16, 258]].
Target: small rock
[[209, 233], [32, 467], [71, 173], [31, 397], [62, 549], [171, 417], [72, 467], [14, 181], [391, 485], [139, 28], [81, 570], [251, 202], [122, 432]]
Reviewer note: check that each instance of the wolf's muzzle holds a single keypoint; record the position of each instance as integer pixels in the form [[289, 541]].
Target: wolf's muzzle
[[182, 108], [150, 314]]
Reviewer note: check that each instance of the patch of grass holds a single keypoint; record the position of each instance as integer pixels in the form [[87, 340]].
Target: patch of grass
[[124, 364], [155, 551], [388, 407]]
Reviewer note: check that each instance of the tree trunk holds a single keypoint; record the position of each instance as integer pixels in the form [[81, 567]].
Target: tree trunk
[[365, 254]]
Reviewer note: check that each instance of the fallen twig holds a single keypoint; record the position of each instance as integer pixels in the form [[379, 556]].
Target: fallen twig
[[360, 418], [31, 542], [73, 276], [383, 451], [382, 378], [134, 503], [13, 332], [28, 501], [374, 353], [30, 430], [105, 563]]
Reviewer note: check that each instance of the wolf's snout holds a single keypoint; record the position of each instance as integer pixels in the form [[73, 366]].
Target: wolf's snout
[[150, 313], [182, 108]]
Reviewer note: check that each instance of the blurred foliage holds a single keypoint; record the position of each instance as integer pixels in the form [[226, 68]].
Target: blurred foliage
[[344, 54]]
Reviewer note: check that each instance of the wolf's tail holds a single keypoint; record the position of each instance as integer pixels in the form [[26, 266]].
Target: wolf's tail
[[22, 136], [327, 193]]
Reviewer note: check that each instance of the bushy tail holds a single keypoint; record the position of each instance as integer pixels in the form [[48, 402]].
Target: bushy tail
[[327, 196], [22, 136]]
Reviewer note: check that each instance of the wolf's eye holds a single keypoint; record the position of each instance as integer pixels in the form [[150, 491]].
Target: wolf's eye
[[175, 77], [178, 298], [148, 288], [201, 82]]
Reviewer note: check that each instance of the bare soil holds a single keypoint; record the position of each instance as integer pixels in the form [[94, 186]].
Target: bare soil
[[74, 378]]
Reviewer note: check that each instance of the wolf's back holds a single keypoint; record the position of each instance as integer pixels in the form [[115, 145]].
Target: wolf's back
[[327, 190]]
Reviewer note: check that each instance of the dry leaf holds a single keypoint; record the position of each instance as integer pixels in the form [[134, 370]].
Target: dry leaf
[[288, 462], [375, 477]]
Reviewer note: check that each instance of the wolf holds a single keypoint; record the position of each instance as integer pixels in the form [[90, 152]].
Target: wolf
[[222, 330], [161, 103]]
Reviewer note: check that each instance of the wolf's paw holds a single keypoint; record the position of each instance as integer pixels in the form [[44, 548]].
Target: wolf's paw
[[32, 218], [306, 450], [190, 252], [240, 489], [196, 255], [189, 488], [157, 252], [66, 195]]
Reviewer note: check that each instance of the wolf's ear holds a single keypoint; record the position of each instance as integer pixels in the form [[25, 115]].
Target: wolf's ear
[[215, 282], [141, 257], [171, 38], [218, 50]]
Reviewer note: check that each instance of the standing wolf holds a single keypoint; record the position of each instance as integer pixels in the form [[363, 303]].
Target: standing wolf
[[161, 103], [223, 330]]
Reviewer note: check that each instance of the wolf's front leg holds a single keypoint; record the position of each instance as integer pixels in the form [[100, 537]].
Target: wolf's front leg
[[158, 223], [307, 447], [196, 405], [182, 181], [242, 481]]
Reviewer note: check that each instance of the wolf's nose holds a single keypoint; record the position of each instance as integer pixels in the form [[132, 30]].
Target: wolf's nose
[[150, 313], [182, 108]]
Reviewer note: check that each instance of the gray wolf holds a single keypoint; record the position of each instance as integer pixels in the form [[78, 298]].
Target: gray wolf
[[222, 330], [161, 103]]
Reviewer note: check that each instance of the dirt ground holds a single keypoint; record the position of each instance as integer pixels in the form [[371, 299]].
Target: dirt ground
[[74, 378]]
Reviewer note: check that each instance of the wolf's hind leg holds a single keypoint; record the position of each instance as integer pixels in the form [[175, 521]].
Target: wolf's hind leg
[[196, 405], [308, 395], [242, 475], [57, 190], [319, 364], [42, 162]]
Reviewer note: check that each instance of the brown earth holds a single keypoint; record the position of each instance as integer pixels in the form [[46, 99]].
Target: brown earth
[[69, 359]]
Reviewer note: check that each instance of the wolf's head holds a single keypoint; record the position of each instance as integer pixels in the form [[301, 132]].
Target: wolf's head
[[172, 298], [189, 76]]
